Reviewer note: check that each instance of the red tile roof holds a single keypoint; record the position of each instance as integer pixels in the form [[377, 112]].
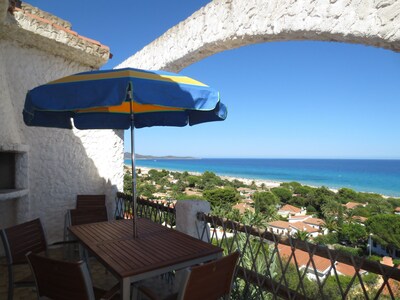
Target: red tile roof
[[280, 224], [299, 217], [242, 207], [315, 221], [291, 208], [359, 218], [301, 226], [351, 205]]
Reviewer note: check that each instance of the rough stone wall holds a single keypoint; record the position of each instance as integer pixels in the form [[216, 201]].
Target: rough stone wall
[[59, 164], [228, 24]]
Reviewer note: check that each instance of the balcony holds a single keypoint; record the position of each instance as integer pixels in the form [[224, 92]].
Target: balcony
[[271, 266]]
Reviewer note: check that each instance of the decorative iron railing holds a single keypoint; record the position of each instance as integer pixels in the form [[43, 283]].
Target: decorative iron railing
[[162, 212], [278, 267]]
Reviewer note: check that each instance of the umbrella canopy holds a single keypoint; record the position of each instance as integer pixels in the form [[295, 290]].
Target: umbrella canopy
[[102, 100], [122, 99]]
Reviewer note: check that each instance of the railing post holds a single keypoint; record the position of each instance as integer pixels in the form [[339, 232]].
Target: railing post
[[186, 218]]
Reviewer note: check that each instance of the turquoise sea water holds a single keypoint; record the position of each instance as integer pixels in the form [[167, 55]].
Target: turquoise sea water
[[377, 176]]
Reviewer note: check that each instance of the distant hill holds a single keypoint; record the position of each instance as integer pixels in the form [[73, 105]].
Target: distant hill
[[127, 155]]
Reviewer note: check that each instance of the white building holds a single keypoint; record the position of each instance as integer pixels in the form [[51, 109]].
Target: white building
[[43, 169], [323, 266], [289, 210], [287, 228]]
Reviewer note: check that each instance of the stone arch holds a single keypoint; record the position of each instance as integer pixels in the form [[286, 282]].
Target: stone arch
[[229, 24]]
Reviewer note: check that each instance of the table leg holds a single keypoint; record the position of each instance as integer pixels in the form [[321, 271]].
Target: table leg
[[126, 288]]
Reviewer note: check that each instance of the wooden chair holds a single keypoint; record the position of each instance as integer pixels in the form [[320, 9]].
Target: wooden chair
[[209, 281], [90, 201], [86, 216], [61, 280], [17, 241]]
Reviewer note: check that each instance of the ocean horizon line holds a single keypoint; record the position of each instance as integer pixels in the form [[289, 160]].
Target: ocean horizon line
[[236, 157], [290, 158], [363, 175]]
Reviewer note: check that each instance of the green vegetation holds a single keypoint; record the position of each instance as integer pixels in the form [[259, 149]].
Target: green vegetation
[[343, 224], [386, 230], [345, 231]]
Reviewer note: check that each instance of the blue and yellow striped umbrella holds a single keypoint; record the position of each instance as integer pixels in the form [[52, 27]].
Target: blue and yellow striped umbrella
[[102, 100], [122, 99]]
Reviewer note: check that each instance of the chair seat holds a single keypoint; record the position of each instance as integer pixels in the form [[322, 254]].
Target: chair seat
[[112, 294], [158, 288], [211, 281]]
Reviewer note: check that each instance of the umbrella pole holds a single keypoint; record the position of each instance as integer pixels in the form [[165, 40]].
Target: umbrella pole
[[134, 204]]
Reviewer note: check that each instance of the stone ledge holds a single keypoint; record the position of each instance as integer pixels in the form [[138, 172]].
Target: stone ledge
[[32, 27], [19, 148], [9, 194]]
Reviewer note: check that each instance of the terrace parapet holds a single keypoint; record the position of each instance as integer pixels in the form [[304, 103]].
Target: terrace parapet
[[35, 28]]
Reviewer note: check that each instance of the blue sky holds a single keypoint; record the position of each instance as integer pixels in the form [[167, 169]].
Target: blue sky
[[285, 99]]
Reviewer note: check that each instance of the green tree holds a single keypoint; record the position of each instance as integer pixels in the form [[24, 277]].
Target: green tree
[[264, 199], [355, 233], [208, 181], [283, 194], [332, 208], [302, 235], [221, 197], [128, 183], [377, 207], [327, 239], [192, 181], [385, 230], [345, 195], [145, 190]]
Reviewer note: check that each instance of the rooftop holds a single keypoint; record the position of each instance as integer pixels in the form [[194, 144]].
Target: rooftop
[[291, 208]]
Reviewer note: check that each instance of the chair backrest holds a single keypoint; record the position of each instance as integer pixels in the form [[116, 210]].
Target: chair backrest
[[61, 280], [22, 238], [210, 281], [90, 201], [86, 216]]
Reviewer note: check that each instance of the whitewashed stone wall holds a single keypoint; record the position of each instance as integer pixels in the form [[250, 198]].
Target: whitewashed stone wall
[[228, 24], [58, 164]]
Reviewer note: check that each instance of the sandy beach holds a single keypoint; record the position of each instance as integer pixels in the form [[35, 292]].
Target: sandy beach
[[258, 182], [248, 181]]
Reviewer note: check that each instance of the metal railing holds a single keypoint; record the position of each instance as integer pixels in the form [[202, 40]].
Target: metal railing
[[162, 212], [278, 267]]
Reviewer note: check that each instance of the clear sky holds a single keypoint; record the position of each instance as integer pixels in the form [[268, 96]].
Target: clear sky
[[285, 99]]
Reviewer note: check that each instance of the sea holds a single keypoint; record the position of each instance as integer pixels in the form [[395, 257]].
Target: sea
[[362, 175]]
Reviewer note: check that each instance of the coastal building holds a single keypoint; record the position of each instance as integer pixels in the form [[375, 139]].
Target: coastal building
[[317, 223], [323, 266], [243, 207], [245, 192], [288, 210], [352, 205], [397, 210], [382, 250], [301, 226], [294, 219], [292, 228], [279, 227], [43, 169]]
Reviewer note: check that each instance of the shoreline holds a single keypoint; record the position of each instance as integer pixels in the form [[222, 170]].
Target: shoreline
[[268, 183]]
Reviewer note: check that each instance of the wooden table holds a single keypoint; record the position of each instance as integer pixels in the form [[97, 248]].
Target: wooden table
[[157, 249]]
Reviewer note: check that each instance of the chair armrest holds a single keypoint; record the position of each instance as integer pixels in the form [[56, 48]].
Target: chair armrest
[[62, 243]]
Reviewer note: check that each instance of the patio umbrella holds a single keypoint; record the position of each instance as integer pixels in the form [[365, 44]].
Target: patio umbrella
[[123, 99]]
